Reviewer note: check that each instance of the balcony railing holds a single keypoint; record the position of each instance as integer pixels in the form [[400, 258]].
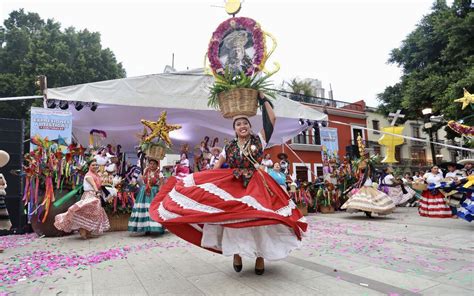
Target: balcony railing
[[322, 101]]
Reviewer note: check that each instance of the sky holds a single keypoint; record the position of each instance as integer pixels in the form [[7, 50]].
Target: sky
[[342, 43]]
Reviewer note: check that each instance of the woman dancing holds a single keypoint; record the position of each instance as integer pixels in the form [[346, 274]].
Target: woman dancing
[[86, 215], [239, 211]]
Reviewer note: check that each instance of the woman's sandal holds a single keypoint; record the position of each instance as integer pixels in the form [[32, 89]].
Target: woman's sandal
[[238, 267], [259, 271]]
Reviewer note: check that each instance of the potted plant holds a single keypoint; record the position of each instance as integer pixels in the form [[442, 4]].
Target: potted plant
[[237, 94]]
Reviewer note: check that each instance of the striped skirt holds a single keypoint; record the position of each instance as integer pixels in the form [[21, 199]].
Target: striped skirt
[[433, 205], [4, 218], [140, 220], [369, 199], [86, 213]]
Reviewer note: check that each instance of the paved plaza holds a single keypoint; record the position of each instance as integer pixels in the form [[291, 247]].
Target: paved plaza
[[402, 254]]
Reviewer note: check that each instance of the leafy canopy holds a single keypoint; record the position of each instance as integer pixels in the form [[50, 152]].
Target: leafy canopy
[[31, 46], [437, 60]]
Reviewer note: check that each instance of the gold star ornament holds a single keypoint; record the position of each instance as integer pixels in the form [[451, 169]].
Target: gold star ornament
[[466, 100], [160, 129]]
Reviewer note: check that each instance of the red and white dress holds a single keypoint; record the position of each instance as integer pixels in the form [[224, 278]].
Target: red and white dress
[[87, 213], [432, 203], [240, 210]]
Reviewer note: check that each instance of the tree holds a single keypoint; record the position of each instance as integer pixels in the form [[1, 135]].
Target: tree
[[30, 46], [437, 60], [301, 88]]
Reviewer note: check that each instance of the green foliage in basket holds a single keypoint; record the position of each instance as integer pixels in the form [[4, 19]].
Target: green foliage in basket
[[229, 81]]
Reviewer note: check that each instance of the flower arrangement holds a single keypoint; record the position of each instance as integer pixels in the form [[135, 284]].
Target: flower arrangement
[[237, 55], [242, 24], [228, 81], [461, 128]]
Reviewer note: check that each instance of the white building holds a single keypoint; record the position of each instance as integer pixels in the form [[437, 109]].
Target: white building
[[411, 154]]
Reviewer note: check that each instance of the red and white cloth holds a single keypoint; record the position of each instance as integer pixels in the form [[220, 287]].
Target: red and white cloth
[[86, 213], [433, 205], [213, 210]]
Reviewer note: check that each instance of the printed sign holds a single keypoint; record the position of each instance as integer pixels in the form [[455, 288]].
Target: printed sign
[[52, 123], [329, 140]]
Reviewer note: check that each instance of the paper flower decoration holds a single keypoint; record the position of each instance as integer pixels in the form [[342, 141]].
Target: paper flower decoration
[[461, 129], [160, 129]]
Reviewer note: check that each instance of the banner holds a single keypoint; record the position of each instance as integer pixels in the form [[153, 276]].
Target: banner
[[52, 123], [329, 140]]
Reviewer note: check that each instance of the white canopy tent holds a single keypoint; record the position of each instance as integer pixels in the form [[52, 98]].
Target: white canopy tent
[[184, 95]]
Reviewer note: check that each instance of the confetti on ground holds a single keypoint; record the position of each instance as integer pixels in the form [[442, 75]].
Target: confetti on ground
[[42, 263], [14, 241], [358, 242]]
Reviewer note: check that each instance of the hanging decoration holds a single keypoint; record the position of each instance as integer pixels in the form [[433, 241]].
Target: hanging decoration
[[466, 100], [390, 142]]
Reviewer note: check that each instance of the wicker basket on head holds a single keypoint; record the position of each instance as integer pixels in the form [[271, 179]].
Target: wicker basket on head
[[239, 101], [156, 152], [419, 186]]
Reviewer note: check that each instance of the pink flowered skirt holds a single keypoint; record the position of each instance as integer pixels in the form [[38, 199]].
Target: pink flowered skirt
[[86, 213]]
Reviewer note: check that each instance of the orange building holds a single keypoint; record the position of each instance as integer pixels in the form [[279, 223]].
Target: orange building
[[305, 156]]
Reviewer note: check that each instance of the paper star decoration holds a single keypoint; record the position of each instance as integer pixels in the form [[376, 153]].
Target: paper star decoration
[[160, 129], [466, 100]]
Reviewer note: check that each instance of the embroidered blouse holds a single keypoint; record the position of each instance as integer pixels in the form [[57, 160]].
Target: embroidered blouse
[[243, 162]]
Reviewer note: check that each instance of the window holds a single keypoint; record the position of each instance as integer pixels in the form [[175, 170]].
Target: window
[[317, 136], [319, 171], [415, 131], [398, 153], [418, 154], [302, 173], [356, 132], [377, 150], [375, 126], [301, 138]]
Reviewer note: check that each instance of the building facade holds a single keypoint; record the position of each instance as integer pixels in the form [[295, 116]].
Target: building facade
[[412, 155], [345, 120]]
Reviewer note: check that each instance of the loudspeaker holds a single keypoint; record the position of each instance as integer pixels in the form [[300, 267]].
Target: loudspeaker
[[11, 140], [352, 151]]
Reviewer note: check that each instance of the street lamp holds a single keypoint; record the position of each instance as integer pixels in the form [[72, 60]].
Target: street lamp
[[429, 127], [426, 111]]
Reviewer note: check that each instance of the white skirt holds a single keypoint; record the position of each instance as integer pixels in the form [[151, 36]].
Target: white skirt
[[272, 242]]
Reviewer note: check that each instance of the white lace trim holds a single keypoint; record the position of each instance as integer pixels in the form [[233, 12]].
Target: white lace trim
[[165, 214], [286, 211], [231, 221], [187, 203], [189, 181], [248, 200]]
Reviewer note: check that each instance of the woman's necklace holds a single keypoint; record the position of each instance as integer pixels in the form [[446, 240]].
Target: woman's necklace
[[243, 145]]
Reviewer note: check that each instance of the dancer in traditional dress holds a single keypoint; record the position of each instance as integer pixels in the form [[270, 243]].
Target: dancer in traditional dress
[[364, 197], [86, 215], [239, 211], [267, 162], [394, 188], [5, 223], [182, 168], [140, 220], [432, 203]]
